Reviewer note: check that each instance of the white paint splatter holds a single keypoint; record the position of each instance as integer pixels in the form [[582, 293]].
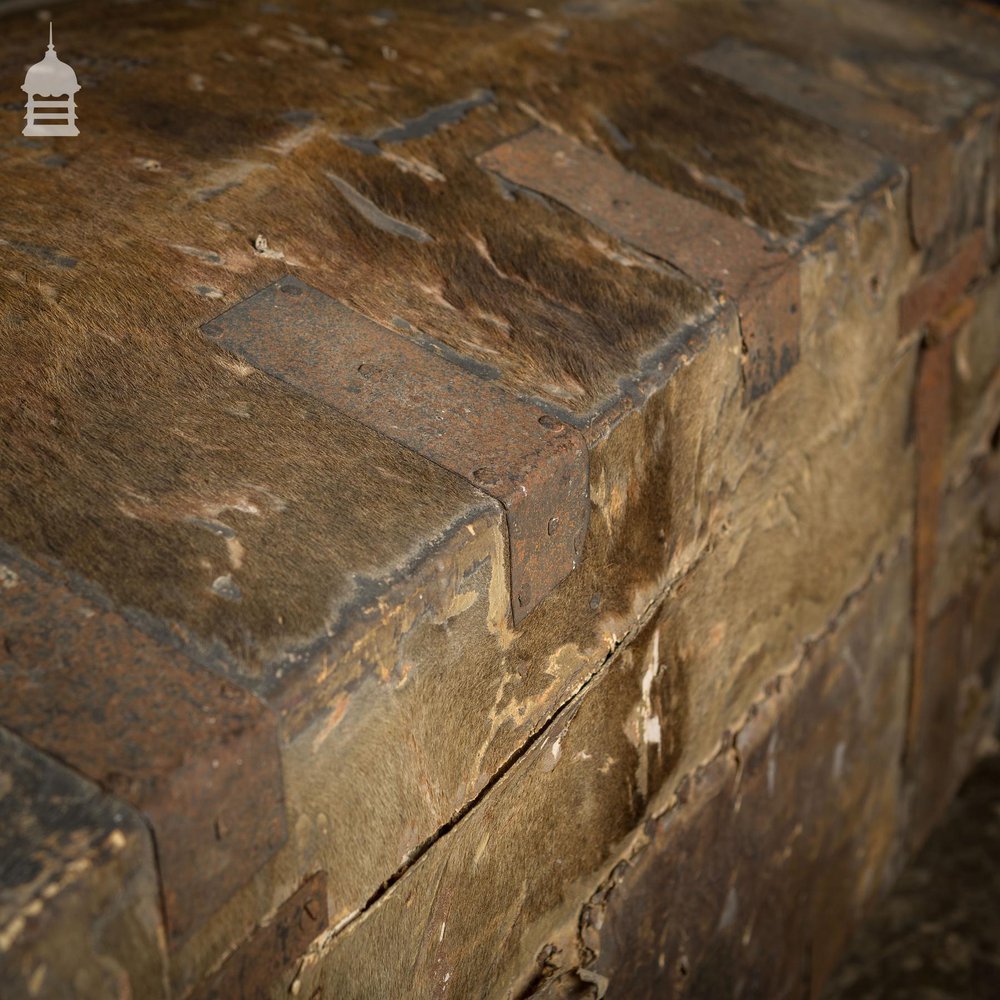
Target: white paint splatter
[[651, 730]]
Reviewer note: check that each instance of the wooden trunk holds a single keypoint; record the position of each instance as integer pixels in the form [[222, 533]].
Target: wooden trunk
[[493, 502]]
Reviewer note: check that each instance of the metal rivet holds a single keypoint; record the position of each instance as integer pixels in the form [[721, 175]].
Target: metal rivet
[[486, 477], [553, 525]]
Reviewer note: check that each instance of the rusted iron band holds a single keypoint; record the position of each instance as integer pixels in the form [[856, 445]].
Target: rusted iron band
[[931, 414], [886, 127], [535, 465], [984, 628], [932, 424], [196, 754], [934, 294], [250, 972], [715, 250]]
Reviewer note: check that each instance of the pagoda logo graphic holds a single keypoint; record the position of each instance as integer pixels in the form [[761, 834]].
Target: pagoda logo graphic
[[55, 83]]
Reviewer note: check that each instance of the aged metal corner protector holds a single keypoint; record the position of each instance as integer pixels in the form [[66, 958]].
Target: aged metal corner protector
[[212, 796], [535, 465], [249, 973], [715, 251]]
